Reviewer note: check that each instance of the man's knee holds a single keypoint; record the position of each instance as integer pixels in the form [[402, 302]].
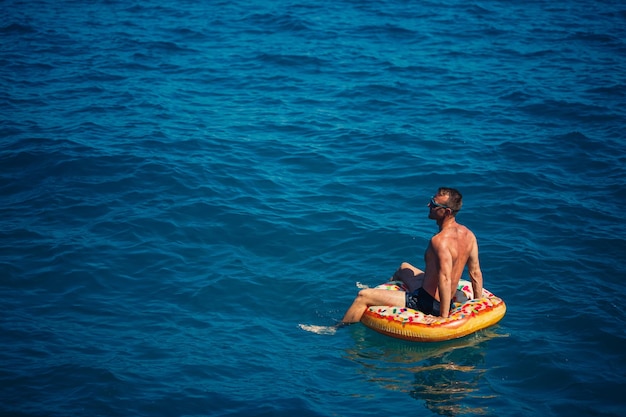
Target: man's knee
[[365, 295], [404, 274], [405, 265]]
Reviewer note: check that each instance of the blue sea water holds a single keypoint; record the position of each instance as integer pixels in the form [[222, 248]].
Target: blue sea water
[[183, 183]]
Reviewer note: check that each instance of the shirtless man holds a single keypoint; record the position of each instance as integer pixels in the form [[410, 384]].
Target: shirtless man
[[431, 291]]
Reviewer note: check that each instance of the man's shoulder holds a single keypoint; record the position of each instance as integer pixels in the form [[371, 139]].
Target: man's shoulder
[[458, 233], [468, 235], [464, 229]]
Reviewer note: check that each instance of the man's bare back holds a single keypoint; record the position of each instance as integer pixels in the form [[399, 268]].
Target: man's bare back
[[445, 258]]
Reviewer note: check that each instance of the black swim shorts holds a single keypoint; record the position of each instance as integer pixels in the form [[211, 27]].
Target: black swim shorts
[[424, 302]]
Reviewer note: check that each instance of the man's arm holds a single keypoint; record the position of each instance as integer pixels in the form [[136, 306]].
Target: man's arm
[[476, 275], [444, 279]]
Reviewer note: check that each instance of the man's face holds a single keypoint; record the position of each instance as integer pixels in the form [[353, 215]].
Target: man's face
[[438, 207]]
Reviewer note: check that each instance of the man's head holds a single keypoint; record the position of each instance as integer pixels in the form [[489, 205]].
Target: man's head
[[448, 199]]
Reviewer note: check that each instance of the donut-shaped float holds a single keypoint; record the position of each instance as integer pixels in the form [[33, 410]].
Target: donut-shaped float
[[468, 316]]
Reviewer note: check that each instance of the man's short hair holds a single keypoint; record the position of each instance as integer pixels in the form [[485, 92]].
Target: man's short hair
[[455, 199]]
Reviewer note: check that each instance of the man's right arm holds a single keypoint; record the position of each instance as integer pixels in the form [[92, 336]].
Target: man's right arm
[[476, 275]]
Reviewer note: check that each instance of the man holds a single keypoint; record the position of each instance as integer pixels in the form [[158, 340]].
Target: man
[[431, 291]]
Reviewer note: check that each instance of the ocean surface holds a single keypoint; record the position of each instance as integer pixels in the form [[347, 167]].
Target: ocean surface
[[183, 183]]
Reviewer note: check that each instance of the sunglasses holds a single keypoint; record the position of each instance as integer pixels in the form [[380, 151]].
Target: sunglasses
[[434, 204]]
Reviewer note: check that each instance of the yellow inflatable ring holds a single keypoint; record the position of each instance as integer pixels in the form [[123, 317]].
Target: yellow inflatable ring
[[468, 316]]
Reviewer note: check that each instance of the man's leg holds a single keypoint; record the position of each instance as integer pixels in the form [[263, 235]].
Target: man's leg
[[372, 297], [412, 277]]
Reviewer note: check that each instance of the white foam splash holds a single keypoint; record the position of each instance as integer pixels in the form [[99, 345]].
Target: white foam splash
[[318, 329]]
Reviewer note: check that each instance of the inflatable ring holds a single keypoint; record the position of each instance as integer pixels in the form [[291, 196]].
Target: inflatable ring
[[468, 316]]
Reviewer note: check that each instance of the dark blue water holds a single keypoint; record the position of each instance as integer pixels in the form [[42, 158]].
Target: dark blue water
[[183, 183]]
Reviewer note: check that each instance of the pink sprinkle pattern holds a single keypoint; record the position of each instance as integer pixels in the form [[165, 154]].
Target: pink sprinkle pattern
[[464, 306]]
